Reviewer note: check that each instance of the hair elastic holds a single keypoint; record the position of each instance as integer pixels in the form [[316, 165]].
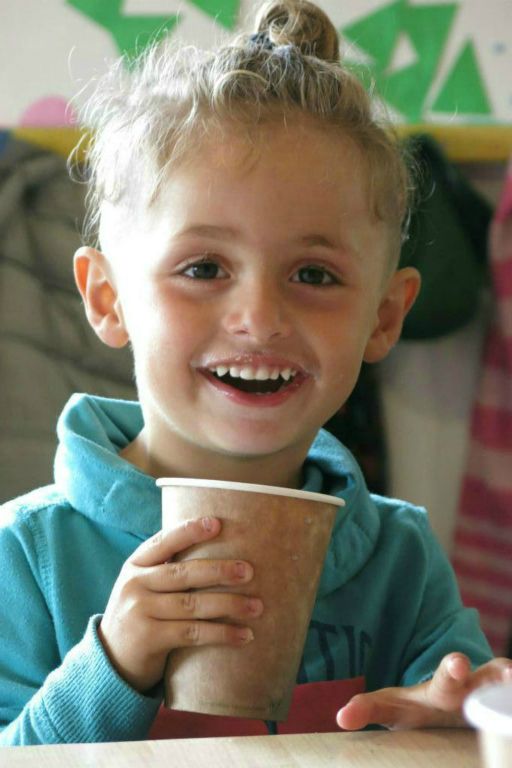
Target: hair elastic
[[263, 40]]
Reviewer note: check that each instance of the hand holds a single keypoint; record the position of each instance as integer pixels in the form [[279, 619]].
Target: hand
[[434, 704], [154, 606]]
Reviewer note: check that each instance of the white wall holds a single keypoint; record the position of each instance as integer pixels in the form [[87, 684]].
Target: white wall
[[49, 50]]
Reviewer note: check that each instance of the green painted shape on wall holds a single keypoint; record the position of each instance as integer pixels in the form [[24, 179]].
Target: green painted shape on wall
[[377, 33], [224, 12], [130, 33], [427, 28], [136, 32], [463, 90]]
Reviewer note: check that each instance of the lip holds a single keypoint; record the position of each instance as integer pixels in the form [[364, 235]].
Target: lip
[[252, 400]]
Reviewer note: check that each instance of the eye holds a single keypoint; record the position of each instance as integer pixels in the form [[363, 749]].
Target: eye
[[206, 269], [313, 275]]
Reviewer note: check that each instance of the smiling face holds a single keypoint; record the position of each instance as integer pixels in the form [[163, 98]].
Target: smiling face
[[251, 293]]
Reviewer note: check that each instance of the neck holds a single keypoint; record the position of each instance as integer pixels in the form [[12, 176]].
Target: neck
[[283, 468]]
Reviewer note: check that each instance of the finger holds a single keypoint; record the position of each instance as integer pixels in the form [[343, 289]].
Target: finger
[[495, 671], [390, 707], [195, 574], [457, 667], [167, 543], [395, 708], [449, 684], [182, 634], [356, 714], [203, 605]]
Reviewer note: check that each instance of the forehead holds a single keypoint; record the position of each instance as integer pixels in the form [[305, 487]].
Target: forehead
[[294, 163], [294, 148], [280, 178]]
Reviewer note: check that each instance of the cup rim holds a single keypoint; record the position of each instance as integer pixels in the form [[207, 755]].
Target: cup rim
[[273, 490], [484, 708]]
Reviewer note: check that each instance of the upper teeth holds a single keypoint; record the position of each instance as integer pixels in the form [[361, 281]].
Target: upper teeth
[[249, 373]]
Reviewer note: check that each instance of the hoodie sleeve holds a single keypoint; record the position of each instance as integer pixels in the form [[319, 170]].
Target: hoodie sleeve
[[45, 699], [443, 624]]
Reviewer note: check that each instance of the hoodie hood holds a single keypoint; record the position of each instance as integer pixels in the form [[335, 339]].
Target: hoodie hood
[[112, 492]]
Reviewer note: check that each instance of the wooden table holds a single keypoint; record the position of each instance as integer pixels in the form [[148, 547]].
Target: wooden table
[[376, 749]]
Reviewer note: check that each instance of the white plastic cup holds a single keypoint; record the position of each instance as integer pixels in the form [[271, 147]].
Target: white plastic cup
[[284, 534], [489, 710]]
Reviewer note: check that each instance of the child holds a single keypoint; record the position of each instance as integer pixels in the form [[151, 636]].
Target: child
[[250, 217]]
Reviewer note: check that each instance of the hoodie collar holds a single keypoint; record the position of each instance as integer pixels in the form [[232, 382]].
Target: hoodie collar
[[90, 473], [331, 468], [111, 491]]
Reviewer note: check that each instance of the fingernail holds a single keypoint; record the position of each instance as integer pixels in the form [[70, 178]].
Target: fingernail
[[245, 635], [207, 523], [255, 606], [241, 570]]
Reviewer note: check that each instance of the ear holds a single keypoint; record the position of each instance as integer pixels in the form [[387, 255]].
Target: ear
[[94, 280], [400, 295]]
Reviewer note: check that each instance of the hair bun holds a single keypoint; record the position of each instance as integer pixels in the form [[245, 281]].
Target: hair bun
[[300, 23]]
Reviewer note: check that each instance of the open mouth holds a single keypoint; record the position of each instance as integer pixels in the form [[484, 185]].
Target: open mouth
[[266, 387], [256, 379]]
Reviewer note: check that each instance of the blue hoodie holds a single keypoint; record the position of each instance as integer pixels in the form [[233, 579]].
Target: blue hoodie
[[387, 607]]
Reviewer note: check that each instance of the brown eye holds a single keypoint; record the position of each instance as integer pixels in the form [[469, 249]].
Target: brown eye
[[203, 270], [312, 275]]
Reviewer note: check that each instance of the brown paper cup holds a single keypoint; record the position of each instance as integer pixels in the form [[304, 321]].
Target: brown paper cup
[[284, 534]]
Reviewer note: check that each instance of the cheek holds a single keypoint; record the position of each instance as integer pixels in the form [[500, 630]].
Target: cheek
[[344, 336], [144, 308], [341, 352], [164, 325]]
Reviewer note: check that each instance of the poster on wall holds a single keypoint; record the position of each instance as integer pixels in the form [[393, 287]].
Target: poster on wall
[[429, 62]]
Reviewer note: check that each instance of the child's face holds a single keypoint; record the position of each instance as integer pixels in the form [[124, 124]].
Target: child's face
[[274, 266]]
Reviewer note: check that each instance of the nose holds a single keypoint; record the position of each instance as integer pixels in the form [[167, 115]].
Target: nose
[[258, 312]]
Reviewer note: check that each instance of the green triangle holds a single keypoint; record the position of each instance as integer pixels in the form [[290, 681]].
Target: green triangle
[[406, 90], [131, 33], [101, 11], [376, 34], [224, 12], [427, 27], [463, 91]]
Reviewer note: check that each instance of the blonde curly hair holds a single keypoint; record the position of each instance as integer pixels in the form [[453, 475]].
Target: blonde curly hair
[[147, 116]]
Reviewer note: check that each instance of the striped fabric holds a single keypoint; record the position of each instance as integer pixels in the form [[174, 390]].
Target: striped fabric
[[482, 555]]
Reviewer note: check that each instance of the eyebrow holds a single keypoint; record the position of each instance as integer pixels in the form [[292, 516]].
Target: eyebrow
[[229, 233]]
